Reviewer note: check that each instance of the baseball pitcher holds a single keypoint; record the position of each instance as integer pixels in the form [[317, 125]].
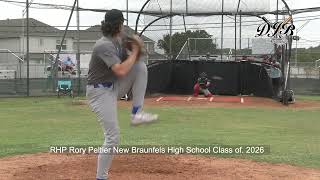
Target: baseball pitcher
[[112, 73]]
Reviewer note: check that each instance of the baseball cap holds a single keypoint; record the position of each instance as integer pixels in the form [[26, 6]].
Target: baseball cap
[[113, 15]]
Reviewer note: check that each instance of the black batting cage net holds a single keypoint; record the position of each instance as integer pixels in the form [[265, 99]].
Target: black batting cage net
[[223, 38]]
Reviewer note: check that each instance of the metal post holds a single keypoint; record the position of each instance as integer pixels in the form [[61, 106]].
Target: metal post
[[27, 55], [20, 73], [277, 16], [222, 9], [127, 12], [215, 42], [170, 40], [296, 59], [276, 46], [23, 43], [282, 63], [283, 59], [187, 10], [189, 46], [138, 18], [78, 49], [235, 37], [240, 31]]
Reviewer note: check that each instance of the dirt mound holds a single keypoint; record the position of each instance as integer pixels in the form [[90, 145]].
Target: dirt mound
[[155, 167]]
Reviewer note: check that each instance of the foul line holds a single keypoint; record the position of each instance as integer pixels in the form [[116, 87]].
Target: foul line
[[159, 99], [202, 98]]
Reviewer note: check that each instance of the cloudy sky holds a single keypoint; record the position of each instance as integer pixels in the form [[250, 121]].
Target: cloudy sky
[[55, 17]]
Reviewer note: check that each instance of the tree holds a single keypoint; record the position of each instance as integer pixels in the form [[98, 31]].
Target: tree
[[199, 47], [306, 54]]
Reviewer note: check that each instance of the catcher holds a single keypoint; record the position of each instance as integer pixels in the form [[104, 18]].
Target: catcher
[[113, 71], [202, 85]]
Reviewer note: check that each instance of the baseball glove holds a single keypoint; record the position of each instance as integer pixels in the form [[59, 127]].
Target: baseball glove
[[129, 40]]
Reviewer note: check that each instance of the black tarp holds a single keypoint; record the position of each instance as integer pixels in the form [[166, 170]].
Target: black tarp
[[159, 76], [228, 78]]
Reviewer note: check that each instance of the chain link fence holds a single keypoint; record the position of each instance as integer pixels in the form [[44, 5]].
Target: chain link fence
[[305, 78], [308, 70], [13, 71]]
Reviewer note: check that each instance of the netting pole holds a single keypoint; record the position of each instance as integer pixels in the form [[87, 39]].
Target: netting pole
[[222, 20], [27, 55], [235, 27], [137, 20], [148, 25], [187, 11], [277, 19], [185, 29], [127, 3], [296, 55], [170, 40], [282, 71], [78, 49], [240, 31], [235, 37], [277, 15]]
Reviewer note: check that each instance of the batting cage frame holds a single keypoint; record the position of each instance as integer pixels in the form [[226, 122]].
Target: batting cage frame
[[283, 55]]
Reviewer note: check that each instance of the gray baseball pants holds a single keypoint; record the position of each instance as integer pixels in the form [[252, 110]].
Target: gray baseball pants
[[103, 101]]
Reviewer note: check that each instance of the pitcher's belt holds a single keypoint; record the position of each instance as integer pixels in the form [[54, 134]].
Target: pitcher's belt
[[100, 85]]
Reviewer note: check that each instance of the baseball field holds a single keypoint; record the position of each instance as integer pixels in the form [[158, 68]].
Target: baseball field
[[30, 126]]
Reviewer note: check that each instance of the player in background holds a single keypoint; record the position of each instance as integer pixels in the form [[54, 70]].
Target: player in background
[[202, 85]]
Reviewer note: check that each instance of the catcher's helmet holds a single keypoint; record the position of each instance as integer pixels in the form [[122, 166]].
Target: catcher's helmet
[[203, 74]]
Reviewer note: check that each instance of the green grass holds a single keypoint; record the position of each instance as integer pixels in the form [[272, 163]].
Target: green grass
[[30, 125], [304, 97]]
